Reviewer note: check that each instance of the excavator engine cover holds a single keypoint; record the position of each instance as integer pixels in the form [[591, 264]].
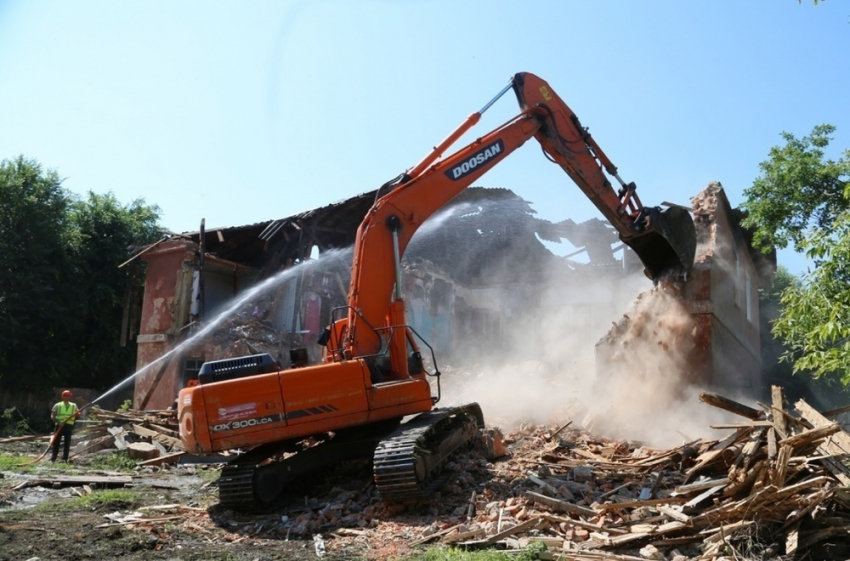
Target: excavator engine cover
[[667, 244]]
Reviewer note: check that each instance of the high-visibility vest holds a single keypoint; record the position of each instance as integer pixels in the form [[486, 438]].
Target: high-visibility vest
[[65, 412]]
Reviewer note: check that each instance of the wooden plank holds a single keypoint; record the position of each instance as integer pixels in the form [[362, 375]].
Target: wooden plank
[[739, 471], [725, 531], [639, 504], [159, 437], [841, 439], [561, 506], [702, 496], [700, 485], [731, 406], [751, 424], [837, 444], [582, 524], [792, 540], [715, 452], [166, 459], [617, 541], [106, 481], [94, 445], [812, 501], [12, 439], [778, 402], [744, 480], [810, 436], [771, 443], [435, 535], [674, 514], [545, 486], [614, 491], [166, 431], [837, 411], [527, 525], [461, 536], [780, 466], [139, 520], [821, 535]]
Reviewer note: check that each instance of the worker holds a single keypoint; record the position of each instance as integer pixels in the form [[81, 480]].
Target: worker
[[64, 414]]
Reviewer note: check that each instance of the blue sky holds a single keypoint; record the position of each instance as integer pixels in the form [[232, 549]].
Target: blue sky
[[240, 112]]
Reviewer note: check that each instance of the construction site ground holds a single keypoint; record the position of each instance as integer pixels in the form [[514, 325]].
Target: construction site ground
[[172, 513], [773, 485], [177, 516]]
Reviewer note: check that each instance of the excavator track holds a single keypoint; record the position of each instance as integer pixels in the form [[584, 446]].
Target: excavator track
[[407, 460], [408, 463], [236, 487], [249, 483]]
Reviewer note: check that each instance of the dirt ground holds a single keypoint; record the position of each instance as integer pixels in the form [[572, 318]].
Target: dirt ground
[[337, 515]]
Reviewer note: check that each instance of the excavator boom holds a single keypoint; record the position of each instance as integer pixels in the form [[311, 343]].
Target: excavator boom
[[663, 240]]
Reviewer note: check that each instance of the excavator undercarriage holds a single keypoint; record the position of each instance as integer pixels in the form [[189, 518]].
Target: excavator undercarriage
[[407, 458]]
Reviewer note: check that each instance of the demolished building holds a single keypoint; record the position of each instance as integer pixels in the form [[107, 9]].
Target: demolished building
[[708, 325], [467, 274]]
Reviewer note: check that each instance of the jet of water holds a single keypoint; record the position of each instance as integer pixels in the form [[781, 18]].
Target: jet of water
[[270, 283]]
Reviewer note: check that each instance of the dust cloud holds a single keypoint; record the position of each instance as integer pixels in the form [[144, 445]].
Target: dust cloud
[[576, 356], [645, 387]]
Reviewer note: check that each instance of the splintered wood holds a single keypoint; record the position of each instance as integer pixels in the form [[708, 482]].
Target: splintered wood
[[145, 435], [776, 484]]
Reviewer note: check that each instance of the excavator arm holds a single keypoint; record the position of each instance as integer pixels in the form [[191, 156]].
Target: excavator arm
[[663, 240], [372, 376]]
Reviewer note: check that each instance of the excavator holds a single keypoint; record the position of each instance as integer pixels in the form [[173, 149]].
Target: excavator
[[372, 395]]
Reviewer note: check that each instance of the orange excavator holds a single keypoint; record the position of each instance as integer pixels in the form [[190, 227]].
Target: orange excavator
[[292, 422]]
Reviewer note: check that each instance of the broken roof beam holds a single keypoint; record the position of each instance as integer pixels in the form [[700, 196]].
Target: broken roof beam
[[731, 406], [272, 229]]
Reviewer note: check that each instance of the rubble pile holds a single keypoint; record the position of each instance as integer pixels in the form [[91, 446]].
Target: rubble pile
[[144, 435], [776, 484]]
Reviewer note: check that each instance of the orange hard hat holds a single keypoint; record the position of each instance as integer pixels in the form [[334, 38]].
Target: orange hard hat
[[67, 393]]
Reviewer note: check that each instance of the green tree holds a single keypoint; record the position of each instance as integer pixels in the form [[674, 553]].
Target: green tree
[[34, 254], [62, 293], [797, 190], [823, 393], [815, 322], [802, 199], [103, 231]]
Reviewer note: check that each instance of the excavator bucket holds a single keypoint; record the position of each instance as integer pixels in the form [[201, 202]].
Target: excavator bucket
[[668, 243]]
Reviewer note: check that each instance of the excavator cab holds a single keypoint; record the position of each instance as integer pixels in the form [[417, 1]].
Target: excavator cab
[[666, 243]]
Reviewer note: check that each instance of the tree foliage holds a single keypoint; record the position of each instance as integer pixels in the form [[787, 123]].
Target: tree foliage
[[815, 322], [825, 392], [103, 230], [798, 190], [61, 291], [802, 199], [34, 251]]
